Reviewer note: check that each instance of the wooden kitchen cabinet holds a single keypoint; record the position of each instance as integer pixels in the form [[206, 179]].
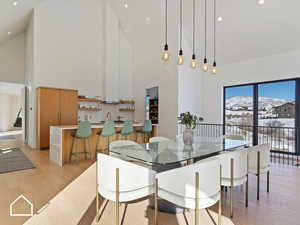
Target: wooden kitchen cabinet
[[54, 107]]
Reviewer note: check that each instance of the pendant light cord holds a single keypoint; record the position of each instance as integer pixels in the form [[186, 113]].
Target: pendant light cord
[[193, 26], [166, 21], [180, 24], [205, 26], [214, 30]]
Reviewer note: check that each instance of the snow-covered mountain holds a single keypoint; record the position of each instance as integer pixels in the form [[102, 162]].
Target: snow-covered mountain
[[242, 102]]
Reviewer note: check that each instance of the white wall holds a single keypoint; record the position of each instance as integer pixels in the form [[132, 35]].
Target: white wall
[[68, 45], [269, 68], [189, 83], [12, 60], [64, 50], [150, 71], [29, 82]]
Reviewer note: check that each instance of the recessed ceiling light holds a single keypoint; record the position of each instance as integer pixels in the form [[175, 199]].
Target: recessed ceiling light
[[15, 3], [8, 33], [261, 2], [126, 6], [148, 20], [220, 19]]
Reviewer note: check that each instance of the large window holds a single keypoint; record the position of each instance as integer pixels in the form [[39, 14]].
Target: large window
[[263, 113]]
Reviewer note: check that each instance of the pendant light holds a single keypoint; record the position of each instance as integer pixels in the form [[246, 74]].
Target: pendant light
[[214, 68], [194, 62], [166, 54], [180, 59], [205, 64]]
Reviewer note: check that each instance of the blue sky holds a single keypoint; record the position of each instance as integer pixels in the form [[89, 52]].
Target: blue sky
[[283, 90]]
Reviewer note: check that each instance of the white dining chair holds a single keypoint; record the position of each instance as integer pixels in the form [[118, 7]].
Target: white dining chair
[[234, 137], [122, 182], [158, 139], [234, 172], [198, 187], [259, 163]]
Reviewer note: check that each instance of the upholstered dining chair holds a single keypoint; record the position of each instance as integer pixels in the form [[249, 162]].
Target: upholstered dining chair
[[234, 172], [198, 187], [158, 139], [121, 182], [259, 163]]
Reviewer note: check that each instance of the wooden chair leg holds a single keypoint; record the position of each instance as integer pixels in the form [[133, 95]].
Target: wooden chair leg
[[97, 144], [72, 148], [85, 149]]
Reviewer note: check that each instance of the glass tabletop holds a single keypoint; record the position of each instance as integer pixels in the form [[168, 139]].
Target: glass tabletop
[[169, 152]]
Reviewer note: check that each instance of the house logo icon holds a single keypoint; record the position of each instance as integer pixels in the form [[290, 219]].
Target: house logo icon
[[11, 206]]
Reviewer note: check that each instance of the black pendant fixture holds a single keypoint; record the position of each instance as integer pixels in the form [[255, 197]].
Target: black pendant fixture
[[166, 54], [205, 64], [214, 68], [194, 62], [180, 59]]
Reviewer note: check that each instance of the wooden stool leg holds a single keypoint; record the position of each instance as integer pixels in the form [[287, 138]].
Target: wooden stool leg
[[72, 149]]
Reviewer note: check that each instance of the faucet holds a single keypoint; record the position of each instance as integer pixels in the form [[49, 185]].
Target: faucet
[[108, 116]]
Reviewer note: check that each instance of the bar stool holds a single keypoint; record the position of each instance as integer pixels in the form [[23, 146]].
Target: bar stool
[[107, 131], [127, 129], [84, 131], [146, 130]]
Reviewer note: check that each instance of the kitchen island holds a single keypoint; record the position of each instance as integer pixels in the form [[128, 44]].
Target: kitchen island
[[61, 139]]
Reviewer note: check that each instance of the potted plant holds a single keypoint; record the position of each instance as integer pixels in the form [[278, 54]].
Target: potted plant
[[190, 122]]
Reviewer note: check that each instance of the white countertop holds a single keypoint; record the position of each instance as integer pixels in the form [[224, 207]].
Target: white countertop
[[100, 125]]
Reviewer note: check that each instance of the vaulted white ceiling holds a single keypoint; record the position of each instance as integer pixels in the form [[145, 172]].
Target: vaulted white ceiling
[[14, 18], [248, 30]]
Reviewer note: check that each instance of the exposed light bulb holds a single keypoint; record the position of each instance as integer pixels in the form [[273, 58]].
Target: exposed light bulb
[[205, 65], [15, 3], [126, 6], [180, 59], [220, 19], [166, 54], [193, 62], [214, 68], [261, 2]]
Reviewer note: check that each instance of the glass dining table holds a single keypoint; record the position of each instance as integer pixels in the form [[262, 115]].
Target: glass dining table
[[166, 155]]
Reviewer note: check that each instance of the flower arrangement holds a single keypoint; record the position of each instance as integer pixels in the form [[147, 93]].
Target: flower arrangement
[[190, 121]]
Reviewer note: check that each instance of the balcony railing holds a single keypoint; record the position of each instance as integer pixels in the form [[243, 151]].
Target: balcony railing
[[283, 140]]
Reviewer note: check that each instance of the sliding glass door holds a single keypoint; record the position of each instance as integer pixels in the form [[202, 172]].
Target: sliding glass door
[[264, 113], [276, 115], [239, 111]]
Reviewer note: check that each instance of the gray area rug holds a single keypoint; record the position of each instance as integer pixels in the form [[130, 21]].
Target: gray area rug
[[3, 137], [14, 160]]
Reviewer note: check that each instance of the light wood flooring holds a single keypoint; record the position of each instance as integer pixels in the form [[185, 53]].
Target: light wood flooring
[[279, 207], [39, 185]]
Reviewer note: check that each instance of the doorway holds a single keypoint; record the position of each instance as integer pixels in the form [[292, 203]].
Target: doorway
[[152, 105], [12, 112]]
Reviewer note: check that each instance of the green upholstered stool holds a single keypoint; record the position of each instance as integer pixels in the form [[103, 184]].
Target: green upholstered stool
[[127, 129], [107, 131], [146, 130], [84, 131]]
